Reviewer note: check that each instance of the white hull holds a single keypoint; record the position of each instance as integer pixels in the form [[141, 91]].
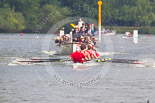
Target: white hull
[[111, 33], [86, 64]]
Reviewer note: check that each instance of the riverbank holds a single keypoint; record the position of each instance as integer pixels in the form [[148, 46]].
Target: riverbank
[[119, 29], [142, 30]]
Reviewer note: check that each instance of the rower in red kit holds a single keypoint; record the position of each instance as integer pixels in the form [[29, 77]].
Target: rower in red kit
[[97, 54], [77, 57], [91, 52], [84, 51]]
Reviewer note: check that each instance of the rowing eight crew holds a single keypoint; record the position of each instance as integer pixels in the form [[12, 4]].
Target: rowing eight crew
[[82, 54]]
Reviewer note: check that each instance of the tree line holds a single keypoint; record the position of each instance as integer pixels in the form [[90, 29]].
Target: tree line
[[26, 15]]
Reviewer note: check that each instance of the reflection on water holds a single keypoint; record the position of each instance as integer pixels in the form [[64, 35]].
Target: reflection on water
[[45, 83]]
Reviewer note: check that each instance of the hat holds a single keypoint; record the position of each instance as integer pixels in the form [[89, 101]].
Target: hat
[[67, 35], [78, 48], [81, 37]]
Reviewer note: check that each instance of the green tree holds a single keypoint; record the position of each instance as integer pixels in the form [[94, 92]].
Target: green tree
[[53, 14], [11, 20]]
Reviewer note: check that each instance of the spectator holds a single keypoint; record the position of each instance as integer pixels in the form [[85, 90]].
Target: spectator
[[90, 32], [80, 23], [76, 35], [66, 39], [61, 41], [93, 40], [83, 29], [82, 39], [88, 41]]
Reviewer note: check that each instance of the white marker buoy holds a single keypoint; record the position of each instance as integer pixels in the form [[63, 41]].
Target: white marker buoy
[[135, 36]]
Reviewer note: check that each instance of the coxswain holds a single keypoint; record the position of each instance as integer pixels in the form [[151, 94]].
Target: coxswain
[[77, 57]]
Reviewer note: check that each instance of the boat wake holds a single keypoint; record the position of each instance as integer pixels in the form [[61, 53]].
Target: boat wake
[[32, 61], [109, 53], [49, 52], [15, 62], [5, 60], [146, 63]]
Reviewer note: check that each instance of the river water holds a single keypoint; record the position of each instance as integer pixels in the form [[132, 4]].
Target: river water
[[61, 83]]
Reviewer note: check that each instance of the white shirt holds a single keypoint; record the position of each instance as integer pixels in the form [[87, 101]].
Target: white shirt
[[89, 31], [80, 23]]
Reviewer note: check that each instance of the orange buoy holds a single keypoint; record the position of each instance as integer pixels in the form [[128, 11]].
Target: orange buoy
[[10, 37], [148, 35], [21, 34]]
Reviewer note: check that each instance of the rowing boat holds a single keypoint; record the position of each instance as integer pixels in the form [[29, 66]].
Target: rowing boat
[[68, 62], [113, 32], [86, 64]]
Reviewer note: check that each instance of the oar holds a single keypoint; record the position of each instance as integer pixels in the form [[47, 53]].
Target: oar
[[32, 61], [128, 61], [48, 59], [64, 59], [45, 60], [39, 61]]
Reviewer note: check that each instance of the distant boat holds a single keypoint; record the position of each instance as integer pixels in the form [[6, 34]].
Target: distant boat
[[113, 32]]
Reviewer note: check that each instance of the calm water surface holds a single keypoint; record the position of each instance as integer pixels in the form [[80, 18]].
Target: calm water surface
[[60, 83]]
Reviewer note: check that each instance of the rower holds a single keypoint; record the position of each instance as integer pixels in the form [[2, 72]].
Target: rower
[[77, 57], [92, 52], [84, 51], [97, 54]]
